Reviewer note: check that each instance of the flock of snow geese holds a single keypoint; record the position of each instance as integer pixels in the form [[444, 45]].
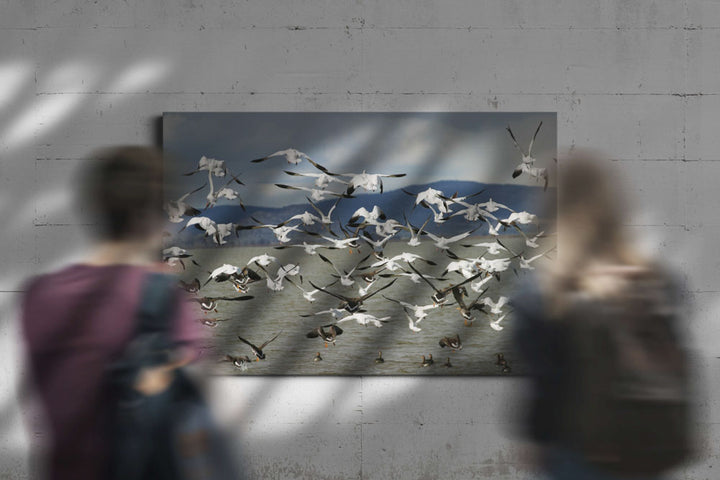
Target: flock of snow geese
[[462, 284]]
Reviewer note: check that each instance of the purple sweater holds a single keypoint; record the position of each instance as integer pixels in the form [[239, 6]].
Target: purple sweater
[[76, 322]]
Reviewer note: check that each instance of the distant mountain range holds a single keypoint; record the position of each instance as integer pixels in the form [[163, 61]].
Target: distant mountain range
[[393, 202]]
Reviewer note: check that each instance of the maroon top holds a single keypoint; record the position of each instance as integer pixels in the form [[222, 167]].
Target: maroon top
[[76, 322]]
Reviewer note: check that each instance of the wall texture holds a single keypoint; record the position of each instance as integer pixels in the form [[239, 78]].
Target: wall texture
[[639, 80]]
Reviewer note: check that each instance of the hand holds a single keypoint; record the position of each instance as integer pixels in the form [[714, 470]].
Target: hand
[[154, 380]]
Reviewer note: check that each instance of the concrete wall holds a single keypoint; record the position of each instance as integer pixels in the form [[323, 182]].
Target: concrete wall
[[640, 80]]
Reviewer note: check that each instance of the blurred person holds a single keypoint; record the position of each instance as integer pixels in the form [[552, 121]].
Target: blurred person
[[608, 394], [79, 320]]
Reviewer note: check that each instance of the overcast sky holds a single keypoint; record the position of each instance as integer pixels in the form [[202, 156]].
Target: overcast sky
[[427, 146]]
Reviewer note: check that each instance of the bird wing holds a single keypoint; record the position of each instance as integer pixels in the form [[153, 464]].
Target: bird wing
[[321, 168], [245, 341], [314, 333], [458, 298], [365, 297], [328, 261], [399, 302], [292, 187], [477, 304], [191, 192], [336, 295], [533, 139], [518, 170], [312, 204], [514, 140], [273, 338], [359, 263], [423, 277], [459, 237], [335, 330], [506, 248], [447, 289]]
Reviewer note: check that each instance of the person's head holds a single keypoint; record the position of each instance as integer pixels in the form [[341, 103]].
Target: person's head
[[591, 211], [122, 191]]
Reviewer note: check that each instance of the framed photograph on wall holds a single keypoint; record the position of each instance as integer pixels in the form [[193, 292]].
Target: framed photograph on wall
[[359, 243]]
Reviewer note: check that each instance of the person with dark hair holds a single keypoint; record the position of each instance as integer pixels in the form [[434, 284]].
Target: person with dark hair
[[79, 320]]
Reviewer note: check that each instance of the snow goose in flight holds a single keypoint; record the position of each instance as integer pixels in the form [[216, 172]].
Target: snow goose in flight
[[527, 163], [217, 231], [419, 311], [177, 209], [325, 219], [430, 196], [322, 180], [213, 166], [525, 262], [370, 182], [276, 283], [334, 312], [309, 295], [339, 243], [369, 217], [493, 248], [467, 267], [495, 324], [378, 245], [174, 255], [306, 218], [412, 324], [223, 192], [223, 273], [344, 276], [310, 248], [315, 193], [443, 243], [365, 319], [281, 230], [495, 265], [262, 260], [493, 206], [523, 218], [527, 158], [477, 286], [415, 232], [495, 306], [393, 264], [291, 155]]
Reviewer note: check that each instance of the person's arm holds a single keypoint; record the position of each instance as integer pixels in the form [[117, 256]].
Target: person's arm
[[187, 335]]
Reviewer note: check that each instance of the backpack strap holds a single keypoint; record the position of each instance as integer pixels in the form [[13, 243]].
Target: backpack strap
[[156, 305], [153, 328]]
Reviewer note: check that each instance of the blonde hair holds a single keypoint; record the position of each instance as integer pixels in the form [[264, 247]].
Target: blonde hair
[[594, 254]]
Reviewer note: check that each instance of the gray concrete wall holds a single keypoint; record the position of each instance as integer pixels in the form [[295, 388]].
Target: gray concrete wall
[[639, 80]]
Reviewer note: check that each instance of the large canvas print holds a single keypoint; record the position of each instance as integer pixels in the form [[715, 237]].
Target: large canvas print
[[359, 243]]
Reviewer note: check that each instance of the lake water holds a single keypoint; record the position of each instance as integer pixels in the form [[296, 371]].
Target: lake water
[[355, 350]]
